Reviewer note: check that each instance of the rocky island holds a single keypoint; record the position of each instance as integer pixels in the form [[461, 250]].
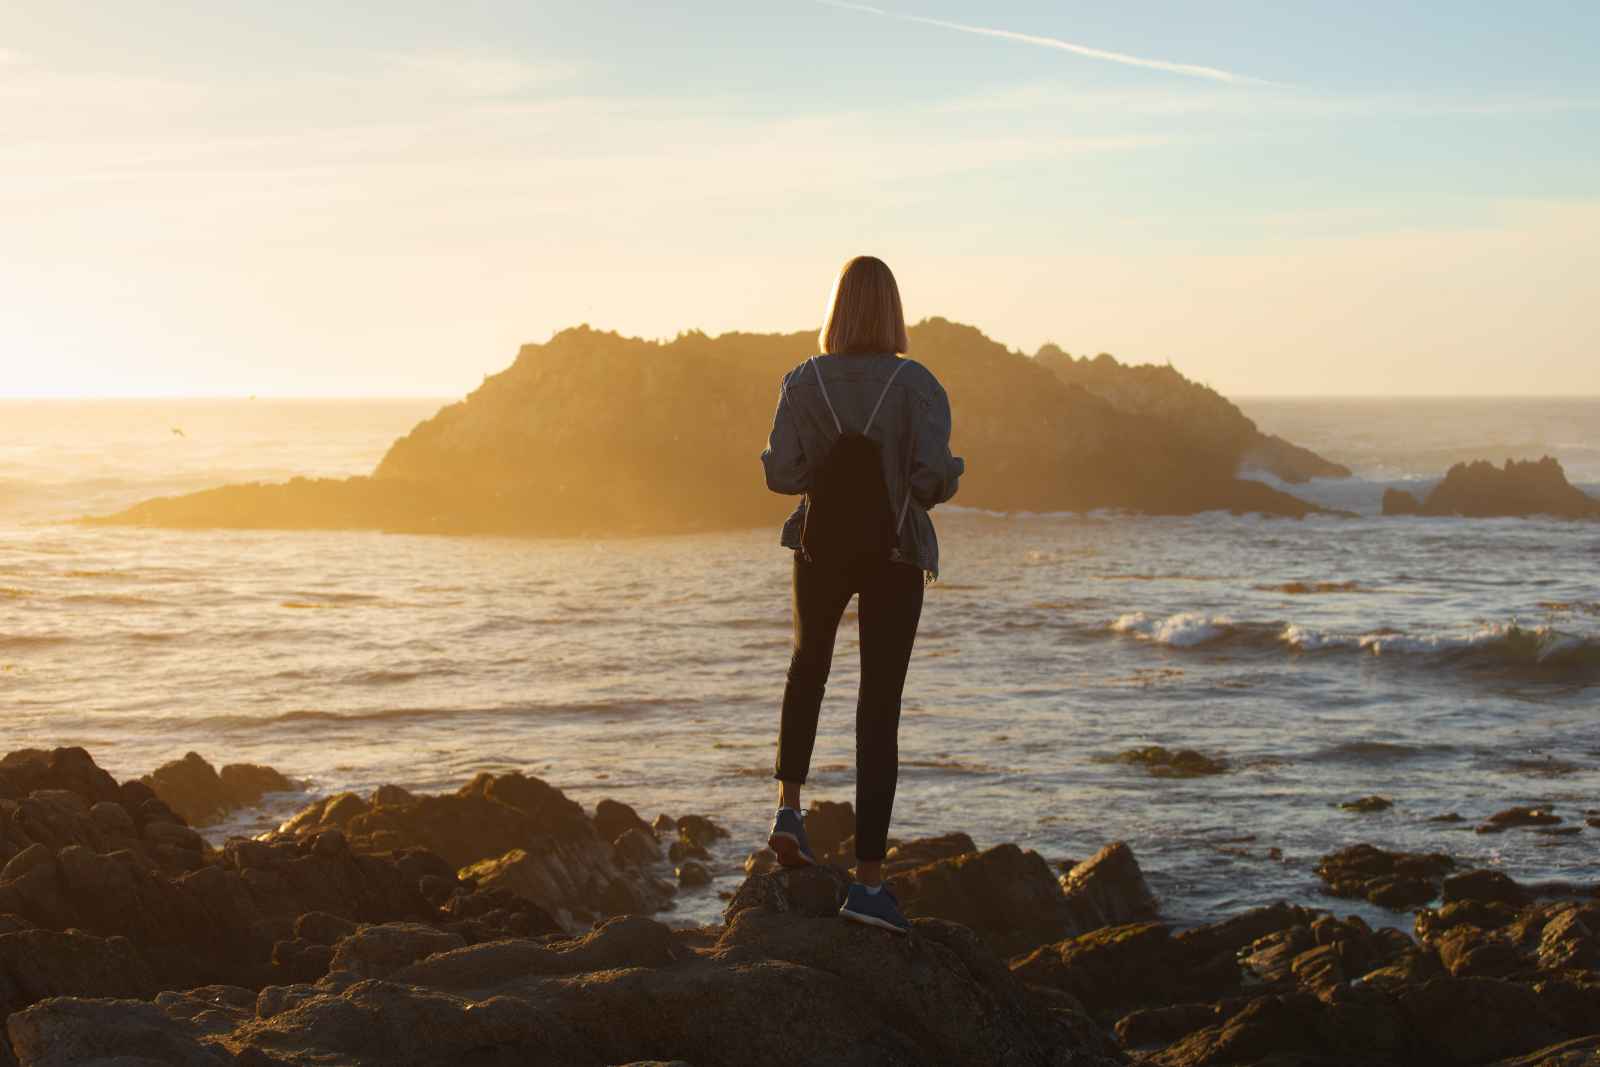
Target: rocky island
[[503, 923], [1482, 490], [592, 432]]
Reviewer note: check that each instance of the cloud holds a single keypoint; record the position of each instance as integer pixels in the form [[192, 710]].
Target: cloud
[[1189, 69]]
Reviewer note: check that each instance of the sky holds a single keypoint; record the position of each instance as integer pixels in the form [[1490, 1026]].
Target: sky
[[220, 198]]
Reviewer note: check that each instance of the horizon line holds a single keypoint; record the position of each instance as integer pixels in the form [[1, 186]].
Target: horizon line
[[399, 397]]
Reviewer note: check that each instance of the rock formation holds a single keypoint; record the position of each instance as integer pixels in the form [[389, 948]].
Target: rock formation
[[1194, 412], [1482, 490], [343, 940], [596, 433]]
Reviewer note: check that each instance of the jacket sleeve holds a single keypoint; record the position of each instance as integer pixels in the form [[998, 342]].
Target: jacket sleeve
[[784, 459], [935, 473]]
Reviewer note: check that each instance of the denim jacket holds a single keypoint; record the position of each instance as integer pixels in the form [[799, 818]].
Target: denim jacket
[[912, 428]]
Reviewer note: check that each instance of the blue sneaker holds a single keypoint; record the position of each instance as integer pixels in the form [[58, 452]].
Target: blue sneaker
[[879, 909], [788, 839]]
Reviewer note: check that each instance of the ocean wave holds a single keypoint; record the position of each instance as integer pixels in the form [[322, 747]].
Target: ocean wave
[[1504, 645], [1183, 630]]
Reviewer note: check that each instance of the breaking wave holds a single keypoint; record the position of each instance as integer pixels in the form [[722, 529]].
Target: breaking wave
[[1508, 645]]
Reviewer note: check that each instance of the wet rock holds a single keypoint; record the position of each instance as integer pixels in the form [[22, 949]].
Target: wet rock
[[613, 818], [678, 851], [392, 796], [72, 1032], [1007, 896], [761, 861], [27, 770], [699, 830], [1485, 885], [247, 783], [1520, 816], [1450, 816], [693, 875], [334, 811], [193, 788], [638, 847], [1165, 763], [1567, 941], [1366, 805], [1396, 880], [664, 826], [1464, 951], [1107, 888]]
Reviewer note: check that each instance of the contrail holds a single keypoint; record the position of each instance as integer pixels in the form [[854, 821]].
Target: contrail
[[1190, 69]]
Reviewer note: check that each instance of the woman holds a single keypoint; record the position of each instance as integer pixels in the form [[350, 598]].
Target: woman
[[857, 388]]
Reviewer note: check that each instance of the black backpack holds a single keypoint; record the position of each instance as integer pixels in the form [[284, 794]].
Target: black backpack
[[849, 516]]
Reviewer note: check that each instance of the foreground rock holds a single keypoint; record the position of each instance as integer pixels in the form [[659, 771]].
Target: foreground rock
[[632, 990], [513, 833], [1482, 490]]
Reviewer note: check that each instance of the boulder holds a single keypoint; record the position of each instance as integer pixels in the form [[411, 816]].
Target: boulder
[[1107, 888], [76, 1032], [193, 788], [1005, 895], [692, 874], [613, 818], [638, 847], [1484, 885], [699, 831], [247, 783], [1366, 805], [1397, 880]]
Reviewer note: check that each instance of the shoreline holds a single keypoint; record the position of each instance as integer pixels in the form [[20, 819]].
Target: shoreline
[[403, 907]]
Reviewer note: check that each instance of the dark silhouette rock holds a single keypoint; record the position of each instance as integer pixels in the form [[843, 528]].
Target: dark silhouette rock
[[699, 830], [1484, 885], [1520, 816], [548, 445], [1530, 487], [1108, 888], [1005, 895], [195, 790], [613, 818], [1164, 763], [693, 874], [1194, 413], [1398, 880], [1366, 805], [1400, 502]]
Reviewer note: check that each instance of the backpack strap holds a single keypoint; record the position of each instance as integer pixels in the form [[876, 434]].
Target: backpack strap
[[899, 366], [825, 397]]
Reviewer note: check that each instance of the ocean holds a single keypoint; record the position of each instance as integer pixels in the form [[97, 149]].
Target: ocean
[[1448, 665]]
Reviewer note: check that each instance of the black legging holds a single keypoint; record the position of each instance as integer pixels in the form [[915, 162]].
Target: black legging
[[889, 609]]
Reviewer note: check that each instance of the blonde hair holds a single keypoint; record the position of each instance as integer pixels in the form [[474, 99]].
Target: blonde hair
[[864, 312]]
